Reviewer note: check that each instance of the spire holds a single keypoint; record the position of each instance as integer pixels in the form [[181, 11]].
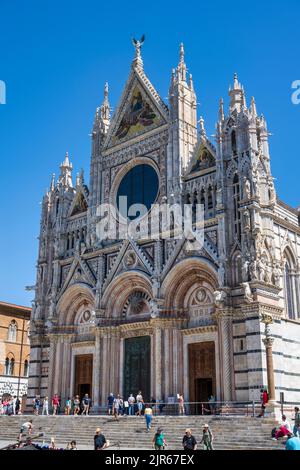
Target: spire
[[202, 128], [138, 61], [181, 69], [52, 185], [65, 178], [253, 107], [104, 111], [221, 110], [237, 95]]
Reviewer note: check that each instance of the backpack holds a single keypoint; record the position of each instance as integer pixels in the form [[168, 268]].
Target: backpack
[[273, 432], [159, 439]]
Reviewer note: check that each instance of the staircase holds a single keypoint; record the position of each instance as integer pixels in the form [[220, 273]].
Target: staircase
[[231, 433]]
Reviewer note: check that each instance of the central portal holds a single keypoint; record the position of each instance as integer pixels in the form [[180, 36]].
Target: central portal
[[137, 371]]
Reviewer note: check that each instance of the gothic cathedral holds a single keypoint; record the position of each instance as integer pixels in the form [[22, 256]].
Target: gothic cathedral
[[157, 315]]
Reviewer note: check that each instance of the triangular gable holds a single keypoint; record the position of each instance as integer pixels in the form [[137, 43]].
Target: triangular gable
[[129, 257], [141, 110], [79, 272], [204, 157], [79, 204]]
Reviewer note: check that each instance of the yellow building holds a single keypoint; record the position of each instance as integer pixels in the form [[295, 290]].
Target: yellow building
[[14, 349]]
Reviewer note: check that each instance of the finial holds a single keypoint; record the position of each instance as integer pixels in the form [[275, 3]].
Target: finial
[[235, 81], [202, 128], [106, 90], [137, 61], [181, 53], [253, 106], [181, 66], [52, 185]]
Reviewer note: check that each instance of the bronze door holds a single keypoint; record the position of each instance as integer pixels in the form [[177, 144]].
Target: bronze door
[[137, 366], [202, 374], [83, 374]]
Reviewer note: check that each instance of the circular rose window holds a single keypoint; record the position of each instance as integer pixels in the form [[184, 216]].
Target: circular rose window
[[139, 187]]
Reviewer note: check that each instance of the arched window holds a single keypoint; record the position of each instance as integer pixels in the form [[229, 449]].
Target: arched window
[[26, 368], [9, 365], [12, 331], [12, 366], [236, 212], [288, 291], [202, 198], [210, 203], [233, 142]]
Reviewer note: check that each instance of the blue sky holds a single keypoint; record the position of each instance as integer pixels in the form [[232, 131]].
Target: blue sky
[[56, 56]]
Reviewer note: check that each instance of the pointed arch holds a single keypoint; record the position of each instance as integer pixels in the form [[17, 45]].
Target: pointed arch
[[12, 331], [291, 284]]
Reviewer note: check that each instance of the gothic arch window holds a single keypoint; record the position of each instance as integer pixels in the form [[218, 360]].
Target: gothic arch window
[[9, 365], [12, 331], [236, 212], [233, 142], [194, 207], [210, 203], [236, 268], [202, 198], [290, 287], [26, 368]]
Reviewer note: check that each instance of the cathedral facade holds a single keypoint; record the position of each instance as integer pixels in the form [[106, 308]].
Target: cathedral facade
[[163, 315]]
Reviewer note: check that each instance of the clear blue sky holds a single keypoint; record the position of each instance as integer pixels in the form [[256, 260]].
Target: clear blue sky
[[56, 56]]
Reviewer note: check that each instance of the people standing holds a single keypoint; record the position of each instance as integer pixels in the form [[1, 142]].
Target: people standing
[[116, 407], [296, 429], [189, 442], [126, 407], [110, 402], [68, 406], [212, 404], [45, 410], [36, 405], [14, 405], [207, 438], [55, 404], [76, 402], [18, 403], [148, 415], [86, 403], [100, 442], [140, 402], [159, 440], [181, 404], [131, 401]]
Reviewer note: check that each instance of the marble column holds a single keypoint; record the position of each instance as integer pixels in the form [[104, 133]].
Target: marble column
[[268, 342], [225, 344], [96, 373], [157, 364]]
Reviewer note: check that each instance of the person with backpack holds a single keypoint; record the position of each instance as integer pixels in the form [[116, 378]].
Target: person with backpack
[[207, 438], [159, 440]]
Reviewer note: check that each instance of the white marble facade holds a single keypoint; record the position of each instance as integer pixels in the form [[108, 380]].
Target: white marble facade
[[92, 295]]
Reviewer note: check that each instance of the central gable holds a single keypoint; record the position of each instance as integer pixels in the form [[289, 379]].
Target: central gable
[[140, 111]]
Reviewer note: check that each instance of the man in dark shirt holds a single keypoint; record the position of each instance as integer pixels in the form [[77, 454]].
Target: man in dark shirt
[[188, 441], [99, 440]]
